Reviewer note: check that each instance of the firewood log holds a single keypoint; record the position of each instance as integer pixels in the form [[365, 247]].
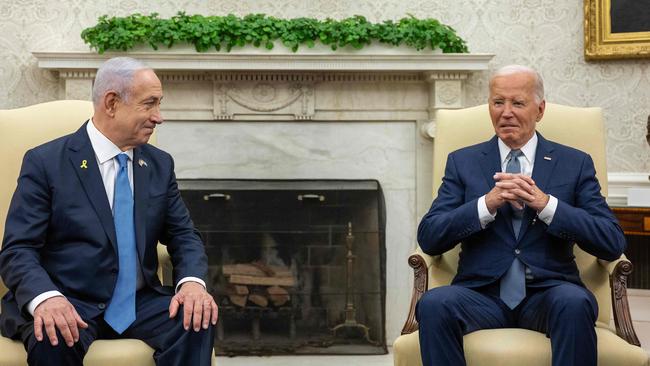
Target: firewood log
[[278, 295], [262, 281], [238, 300], [259, 300]]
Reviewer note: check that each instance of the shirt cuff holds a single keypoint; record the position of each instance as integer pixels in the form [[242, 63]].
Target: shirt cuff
[[548, 212], [484, 215], [31, 306], [188, 279]]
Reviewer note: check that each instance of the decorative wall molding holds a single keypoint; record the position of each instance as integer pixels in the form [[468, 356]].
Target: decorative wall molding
[[81, 74], [359, 77], [446, 75], [619, 184], [312, 77], [179, 77], [268, 98], [387, 60]]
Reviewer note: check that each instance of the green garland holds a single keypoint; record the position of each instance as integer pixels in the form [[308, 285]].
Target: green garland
[[259, 30]]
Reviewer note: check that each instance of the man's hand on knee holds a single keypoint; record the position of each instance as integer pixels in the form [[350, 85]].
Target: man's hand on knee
[[57, 313], [199, 308]]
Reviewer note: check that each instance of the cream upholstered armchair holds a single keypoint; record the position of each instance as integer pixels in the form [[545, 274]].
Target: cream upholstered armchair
[[24, 128], [583, 129]]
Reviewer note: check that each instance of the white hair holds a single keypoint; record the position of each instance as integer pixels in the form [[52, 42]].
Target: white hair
[[519, 69], [116, 74]]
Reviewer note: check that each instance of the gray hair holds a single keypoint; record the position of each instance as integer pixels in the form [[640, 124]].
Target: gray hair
[[518, 69], [116, 74]]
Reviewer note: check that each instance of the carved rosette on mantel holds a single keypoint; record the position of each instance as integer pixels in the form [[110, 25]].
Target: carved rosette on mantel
[[377, 83]]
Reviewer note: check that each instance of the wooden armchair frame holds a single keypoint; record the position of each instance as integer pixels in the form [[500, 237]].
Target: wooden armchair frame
[[618, 273]]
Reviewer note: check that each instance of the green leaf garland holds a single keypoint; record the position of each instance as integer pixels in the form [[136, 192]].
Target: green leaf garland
[[259, 30]]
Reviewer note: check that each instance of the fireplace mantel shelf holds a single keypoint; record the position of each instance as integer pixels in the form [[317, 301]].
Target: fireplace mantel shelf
[[235, 85], [257, 60]]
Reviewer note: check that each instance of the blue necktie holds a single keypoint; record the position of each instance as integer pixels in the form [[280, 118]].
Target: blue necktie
[[513, 282], [120, 313]]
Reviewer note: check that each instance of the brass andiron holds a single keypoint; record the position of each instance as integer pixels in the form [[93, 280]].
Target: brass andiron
[[350, 328]]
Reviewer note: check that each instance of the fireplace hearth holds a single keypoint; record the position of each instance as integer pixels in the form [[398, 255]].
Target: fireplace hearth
[[297, 266]]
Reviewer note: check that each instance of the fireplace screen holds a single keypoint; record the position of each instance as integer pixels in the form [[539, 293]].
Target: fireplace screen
[[297, 267]]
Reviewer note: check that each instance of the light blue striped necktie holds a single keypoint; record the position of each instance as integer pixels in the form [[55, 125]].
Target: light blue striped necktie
[[513, 283], [120, 313]]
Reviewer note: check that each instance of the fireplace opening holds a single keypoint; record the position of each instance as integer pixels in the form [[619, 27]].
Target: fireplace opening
[[296, 266]]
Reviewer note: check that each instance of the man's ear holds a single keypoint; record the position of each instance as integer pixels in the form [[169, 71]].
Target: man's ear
[[110, 103], [542, 108]]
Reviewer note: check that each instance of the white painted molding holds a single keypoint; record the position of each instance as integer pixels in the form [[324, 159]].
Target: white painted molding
[[619, 184], [395, 60]]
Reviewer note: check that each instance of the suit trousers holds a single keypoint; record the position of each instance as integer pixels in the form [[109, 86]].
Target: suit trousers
[[566, 313], [173, 345]]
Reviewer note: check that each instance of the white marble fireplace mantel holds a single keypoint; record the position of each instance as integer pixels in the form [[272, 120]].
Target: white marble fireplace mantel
[[367, 114], [444, 74]]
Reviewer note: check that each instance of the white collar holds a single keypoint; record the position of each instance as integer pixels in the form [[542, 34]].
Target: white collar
[[104, 148], [528, 149]]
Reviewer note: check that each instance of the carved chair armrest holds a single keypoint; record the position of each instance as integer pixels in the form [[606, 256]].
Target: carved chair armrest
[[618, 271], [420, 263]]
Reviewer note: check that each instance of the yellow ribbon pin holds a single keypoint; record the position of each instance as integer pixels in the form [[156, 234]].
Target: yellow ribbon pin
[[84, 164]]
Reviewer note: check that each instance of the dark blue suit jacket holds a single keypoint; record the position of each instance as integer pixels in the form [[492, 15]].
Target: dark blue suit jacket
[[582, 217], [60, 234]]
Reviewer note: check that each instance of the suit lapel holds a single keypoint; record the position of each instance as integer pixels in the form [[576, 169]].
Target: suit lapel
[[490, 165], [84, 163], [490, 161], [141, 194], [545, 161]]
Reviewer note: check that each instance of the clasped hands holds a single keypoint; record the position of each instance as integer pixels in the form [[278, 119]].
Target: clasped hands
[[516, 189], [199, 310]]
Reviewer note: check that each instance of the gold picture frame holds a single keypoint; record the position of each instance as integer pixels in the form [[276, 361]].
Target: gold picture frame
[[602, 43]]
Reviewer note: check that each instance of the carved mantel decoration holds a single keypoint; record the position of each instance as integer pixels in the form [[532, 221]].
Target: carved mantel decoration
[[257, 85]]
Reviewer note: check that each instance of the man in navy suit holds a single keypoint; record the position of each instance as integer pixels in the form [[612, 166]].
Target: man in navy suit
[[516, 204], [79, 250]]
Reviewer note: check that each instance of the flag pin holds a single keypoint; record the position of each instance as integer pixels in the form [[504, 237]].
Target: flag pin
[[547, 158]]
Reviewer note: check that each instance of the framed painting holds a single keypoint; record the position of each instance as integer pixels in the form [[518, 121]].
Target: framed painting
[[617, 29]]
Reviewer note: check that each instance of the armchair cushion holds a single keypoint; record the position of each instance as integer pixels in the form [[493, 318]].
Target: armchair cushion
[[516, 347]]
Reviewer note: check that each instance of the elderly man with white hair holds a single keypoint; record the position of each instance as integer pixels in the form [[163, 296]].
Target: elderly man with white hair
[[516, 204]]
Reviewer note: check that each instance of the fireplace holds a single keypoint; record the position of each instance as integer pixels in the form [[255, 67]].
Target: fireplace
[[347, 115], [297, 266]]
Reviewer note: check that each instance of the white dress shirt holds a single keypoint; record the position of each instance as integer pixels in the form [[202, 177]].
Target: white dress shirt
[[526, 161], [105, 153]]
